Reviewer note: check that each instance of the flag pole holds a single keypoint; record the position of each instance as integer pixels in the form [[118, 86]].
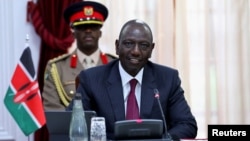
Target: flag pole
[[26, 45]]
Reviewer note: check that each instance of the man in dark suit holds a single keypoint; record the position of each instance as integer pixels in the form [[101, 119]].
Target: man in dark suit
[[105, 89]]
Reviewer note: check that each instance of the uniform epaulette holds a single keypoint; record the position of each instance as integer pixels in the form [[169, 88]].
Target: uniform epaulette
[[111, 55], [60, 57]]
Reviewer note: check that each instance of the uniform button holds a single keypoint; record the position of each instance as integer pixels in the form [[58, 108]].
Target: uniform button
[[71, 92]]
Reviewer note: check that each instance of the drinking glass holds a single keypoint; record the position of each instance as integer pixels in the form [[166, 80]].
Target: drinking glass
[[98, 129]]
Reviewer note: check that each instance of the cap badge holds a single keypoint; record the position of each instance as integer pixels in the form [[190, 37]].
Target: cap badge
[[88, 11]]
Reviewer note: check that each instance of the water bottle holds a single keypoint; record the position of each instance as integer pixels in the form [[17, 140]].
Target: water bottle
[[78, 127]]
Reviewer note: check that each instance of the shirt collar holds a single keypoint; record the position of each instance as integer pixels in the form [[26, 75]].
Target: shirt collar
[[125, 77], [95, 56]]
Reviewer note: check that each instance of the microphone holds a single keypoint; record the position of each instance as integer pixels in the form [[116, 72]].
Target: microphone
[[166, 135]]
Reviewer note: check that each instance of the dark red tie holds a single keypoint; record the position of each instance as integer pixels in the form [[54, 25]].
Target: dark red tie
[[132, 106]]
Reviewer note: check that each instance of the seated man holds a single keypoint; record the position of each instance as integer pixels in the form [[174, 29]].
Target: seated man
[[106, 89]]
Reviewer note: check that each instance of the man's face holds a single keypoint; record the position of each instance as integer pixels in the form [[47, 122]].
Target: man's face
[[134, 47], [87, 36]]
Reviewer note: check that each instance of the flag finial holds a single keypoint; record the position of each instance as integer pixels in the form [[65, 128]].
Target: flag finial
[[27, 40]]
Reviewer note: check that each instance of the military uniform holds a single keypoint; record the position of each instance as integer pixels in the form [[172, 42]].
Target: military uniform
[[61, 72], [59, 80]]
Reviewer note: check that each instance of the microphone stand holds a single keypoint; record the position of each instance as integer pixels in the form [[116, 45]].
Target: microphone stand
[[165, 135]]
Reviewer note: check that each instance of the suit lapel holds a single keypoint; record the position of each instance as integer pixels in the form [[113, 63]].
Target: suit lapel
[[115, 91], [147, 92]]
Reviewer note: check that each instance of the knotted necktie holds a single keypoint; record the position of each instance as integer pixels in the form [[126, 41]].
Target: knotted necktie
[[132, 106]]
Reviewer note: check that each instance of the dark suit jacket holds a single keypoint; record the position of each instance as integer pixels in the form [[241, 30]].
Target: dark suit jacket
[[102, 92]]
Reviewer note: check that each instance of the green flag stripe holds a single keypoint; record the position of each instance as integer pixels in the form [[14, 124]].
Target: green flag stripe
[[19, 113]]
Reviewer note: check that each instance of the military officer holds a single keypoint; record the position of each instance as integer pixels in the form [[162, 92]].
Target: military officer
[[86, 19]]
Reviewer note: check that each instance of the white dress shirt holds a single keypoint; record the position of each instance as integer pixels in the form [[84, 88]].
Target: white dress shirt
[[125, 77]]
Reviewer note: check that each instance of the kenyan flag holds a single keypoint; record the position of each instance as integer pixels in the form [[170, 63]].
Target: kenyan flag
[[23, 98]]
